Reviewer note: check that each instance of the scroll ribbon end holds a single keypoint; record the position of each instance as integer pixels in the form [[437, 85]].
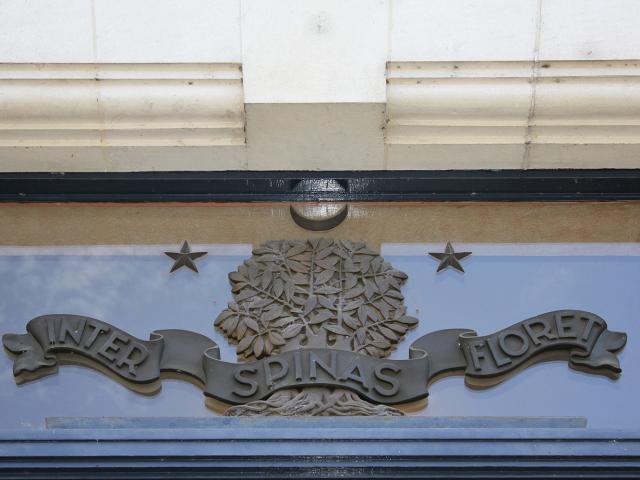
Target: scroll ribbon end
[[603, 355], [30, 359]]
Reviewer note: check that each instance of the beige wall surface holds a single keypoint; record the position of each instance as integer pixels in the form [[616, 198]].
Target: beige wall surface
[[117, 86], [376, 223]]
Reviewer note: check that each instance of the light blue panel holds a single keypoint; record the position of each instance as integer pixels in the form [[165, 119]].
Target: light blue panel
[[496, 292], [136, 293]]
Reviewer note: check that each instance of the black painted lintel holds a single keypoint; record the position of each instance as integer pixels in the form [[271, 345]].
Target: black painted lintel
[[243, 186]]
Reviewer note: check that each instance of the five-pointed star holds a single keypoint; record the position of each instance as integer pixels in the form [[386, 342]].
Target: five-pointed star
[[185, 257], [450, 258]]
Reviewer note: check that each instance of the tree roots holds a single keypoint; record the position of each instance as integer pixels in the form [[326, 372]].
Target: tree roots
[[312, 402]]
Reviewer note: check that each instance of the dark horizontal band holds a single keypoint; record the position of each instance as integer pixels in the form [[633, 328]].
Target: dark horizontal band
[[267, 186], [318, 448]]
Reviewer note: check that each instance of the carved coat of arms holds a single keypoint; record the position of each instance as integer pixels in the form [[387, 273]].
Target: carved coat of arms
[[314, 323]]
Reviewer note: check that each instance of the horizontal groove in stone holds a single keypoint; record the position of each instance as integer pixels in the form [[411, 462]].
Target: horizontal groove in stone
[[122, 71]]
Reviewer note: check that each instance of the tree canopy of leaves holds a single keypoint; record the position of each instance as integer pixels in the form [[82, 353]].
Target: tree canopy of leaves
[[315, 293]]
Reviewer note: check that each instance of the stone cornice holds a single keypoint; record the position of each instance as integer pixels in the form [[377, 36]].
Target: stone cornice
[[553, 102], [88, 105]]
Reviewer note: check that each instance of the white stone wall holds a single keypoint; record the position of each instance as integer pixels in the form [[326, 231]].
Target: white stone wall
[[120, 85]]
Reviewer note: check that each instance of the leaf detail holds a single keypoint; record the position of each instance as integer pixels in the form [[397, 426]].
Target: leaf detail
[[390, 334], [323, 277], [294, 293], [328, 290], [408, 320], [336, 329], [245, 343], [258, 347], [351, 322], [321, 317], [276, 338], [309, 305], [236, 277], [278, 287], [397, 327], [291, 331], [223, 315], [354, 292], [252, 324], [326, 303], [244, 294], [272, 314], [296, 249]]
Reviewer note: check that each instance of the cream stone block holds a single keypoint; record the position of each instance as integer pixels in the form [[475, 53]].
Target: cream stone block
[[590, 30], [121, 105], [168, 31], [46, 31], [462, 30], [314, 51]]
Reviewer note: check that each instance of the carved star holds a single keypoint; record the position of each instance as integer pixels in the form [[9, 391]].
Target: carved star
[[449, 258], [184, 258]]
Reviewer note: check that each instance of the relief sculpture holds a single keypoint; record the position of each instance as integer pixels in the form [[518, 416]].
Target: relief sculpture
[[314, 323], [318, 293]]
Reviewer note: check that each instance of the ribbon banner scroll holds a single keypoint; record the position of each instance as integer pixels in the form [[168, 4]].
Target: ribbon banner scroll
[[581, 337]]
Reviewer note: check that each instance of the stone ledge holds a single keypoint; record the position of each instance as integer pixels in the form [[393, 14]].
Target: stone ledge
[[103, 105], [472, 103]]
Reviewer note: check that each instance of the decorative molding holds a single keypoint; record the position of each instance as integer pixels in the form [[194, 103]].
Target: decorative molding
[[88, 105], [554, 102]]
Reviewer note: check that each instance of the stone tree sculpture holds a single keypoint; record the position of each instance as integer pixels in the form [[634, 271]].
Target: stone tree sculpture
[[317, 293]]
